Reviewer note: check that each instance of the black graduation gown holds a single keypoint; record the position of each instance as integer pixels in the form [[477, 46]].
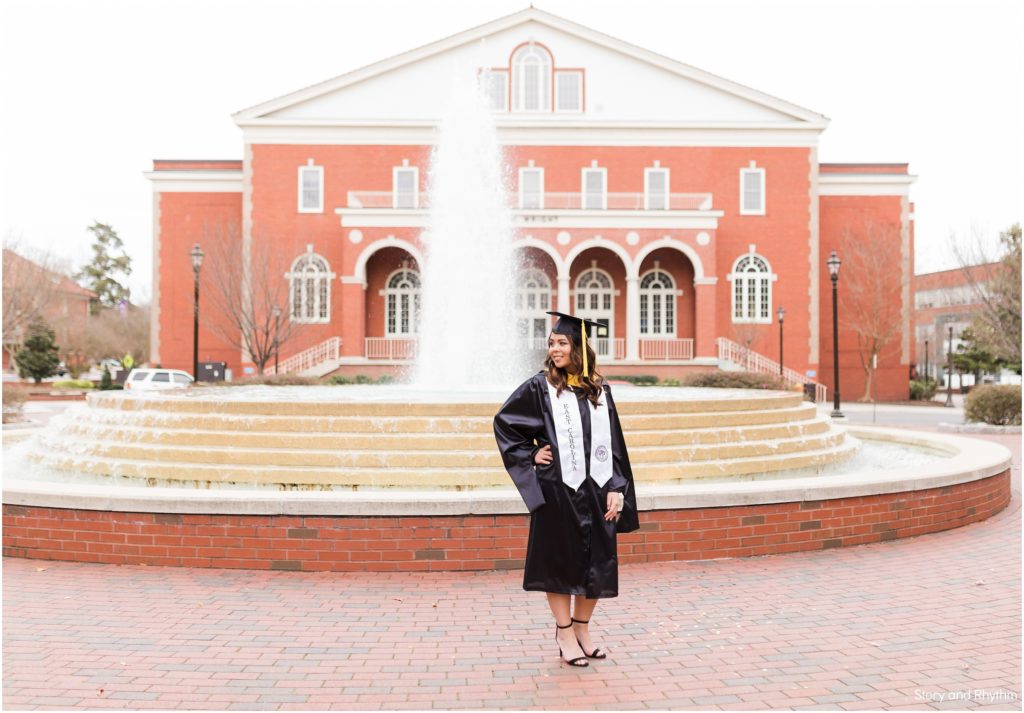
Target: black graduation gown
[[571, 547]]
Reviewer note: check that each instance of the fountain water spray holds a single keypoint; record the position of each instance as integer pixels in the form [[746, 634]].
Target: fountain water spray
[[468, 334]]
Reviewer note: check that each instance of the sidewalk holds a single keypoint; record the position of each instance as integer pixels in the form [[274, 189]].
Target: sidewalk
[[924, 623]]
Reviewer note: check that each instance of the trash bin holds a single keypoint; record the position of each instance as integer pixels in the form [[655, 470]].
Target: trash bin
[[212, 371], [810, 392]]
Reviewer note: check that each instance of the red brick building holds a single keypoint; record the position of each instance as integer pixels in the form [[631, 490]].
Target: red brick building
[[31, 290], [678, 207], [944, 299]]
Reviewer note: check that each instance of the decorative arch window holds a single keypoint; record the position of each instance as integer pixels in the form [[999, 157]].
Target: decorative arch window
[[657, 304], [531, 78], [532, 301], [752, 279], [310, 288], [402, 300], [595, 300]]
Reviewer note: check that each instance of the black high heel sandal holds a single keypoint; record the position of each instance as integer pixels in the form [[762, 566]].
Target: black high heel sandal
[[596, 653], [579, 661]]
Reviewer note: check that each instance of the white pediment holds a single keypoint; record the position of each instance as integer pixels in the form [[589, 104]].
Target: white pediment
[[623, 84]]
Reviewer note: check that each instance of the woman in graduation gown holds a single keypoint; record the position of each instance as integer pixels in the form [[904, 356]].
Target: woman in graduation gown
[[561, 442]]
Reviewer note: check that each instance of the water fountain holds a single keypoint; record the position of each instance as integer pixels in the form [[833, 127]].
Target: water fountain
[[407, 477]]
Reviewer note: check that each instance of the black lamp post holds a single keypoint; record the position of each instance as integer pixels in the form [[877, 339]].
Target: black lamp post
[[276, 311], [781, 314], [926, 377], [949, 371], [833, 272], [197, 262]]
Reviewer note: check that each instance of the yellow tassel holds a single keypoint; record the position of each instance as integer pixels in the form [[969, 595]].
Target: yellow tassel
[[583, 329], [573, 380]]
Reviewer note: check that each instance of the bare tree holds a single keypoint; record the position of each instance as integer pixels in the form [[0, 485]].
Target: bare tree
[[111, 333], [747, 335], [995, 282], [27, 293], [243, 288], [871, 296]]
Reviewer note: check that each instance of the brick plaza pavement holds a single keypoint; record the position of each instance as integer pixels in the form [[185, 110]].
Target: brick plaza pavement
[[929, 622]]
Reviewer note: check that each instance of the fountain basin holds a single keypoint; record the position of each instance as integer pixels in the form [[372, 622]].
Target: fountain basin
[[814, 503]]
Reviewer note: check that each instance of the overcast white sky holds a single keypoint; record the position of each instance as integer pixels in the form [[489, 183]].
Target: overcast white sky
[[92, 91]]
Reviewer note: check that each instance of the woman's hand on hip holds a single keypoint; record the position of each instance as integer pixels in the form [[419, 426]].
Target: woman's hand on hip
[[543, 456], [615, 503]]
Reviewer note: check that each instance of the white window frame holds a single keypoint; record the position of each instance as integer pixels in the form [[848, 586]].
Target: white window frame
[[559, 73], [669, 294], [413, 304], [415, 187], [489, 76], [319, 208], [298, 273], [647, 188], [545, 77], [586, 312], [522, 203], [541, 291], [604, 187], [760, 210], [764, 313]]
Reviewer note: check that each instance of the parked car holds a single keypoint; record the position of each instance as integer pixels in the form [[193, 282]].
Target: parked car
[[157, 379]]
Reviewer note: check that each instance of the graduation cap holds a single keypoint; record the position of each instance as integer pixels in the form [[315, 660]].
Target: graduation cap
[[579, 329]]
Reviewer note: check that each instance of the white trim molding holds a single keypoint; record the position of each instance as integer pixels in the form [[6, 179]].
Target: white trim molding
[[195, 181], [864, 184]]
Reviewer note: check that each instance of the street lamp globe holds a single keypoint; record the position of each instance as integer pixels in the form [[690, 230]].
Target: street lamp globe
[[197, 257], [833, 265]]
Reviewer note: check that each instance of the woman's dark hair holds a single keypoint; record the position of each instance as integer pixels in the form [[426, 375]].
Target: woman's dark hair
[[559, 377]]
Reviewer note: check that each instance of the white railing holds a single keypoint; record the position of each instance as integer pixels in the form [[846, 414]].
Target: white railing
[[551, 201], [750, 360], [666, 349], [391, 348], [604, 347], [330, 349]]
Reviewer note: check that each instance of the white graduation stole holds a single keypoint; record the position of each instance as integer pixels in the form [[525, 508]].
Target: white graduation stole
[[569, 433]]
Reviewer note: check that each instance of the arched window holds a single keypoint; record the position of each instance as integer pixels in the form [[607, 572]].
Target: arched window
[[533, 299], [657, 304], [595, 300], [310, 288], [402, 299], [531, 79], [751, 289]]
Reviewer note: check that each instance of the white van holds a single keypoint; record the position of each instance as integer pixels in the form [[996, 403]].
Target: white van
[[157, 379]]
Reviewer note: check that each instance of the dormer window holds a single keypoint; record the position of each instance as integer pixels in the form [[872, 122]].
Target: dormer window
[[531, 77]]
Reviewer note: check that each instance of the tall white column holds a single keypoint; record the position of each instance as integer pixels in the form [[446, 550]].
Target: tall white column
[[632, 318], [563, 294]]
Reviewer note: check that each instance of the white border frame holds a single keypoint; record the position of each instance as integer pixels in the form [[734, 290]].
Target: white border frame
[[647, 189], [415, 183], [583, 187], [579, 94], [522, 170], [731, 278], [673, 294], [320, 189], [764, 190]]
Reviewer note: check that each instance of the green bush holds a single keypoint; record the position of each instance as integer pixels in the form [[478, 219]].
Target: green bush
[[998, 405], [671, 382], [644, 380], [363, 379], [923, 390], [106, 382], [13, 401], [267, 380], [734, 380], [339, 380], [386, 379], [73, 384]]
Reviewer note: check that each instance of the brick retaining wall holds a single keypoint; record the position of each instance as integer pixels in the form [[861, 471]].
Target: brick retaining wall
[[342, 543]]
